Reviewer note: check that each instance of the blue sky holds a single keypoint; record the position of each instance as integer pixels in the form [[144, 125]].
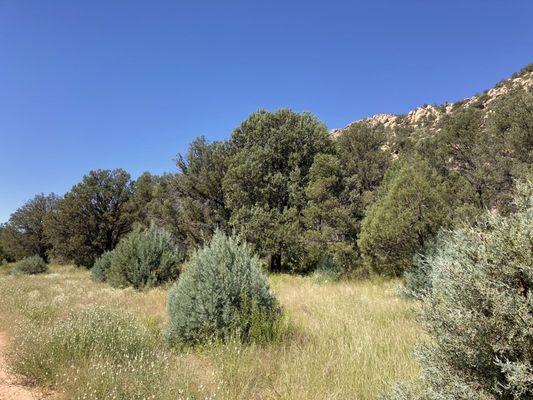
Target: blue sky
[[109, 83]]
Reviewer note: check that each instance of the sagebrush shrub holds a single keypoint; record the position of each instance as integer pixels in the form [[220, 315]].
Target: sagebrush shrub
[[417, 282], [144, 259], [479, 312], [101, 267], [222, 292], [31, 266]]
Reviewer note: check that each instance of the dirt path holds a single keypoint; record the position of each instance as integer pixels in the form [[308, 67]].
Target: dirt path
[[11, 387]]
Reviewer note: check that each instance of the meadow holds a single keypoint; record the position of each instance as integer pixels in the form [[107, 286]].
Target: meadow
[[85, 340]]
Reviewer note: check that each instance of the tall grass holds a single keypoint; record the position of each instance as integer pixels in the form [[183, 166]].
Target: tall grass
[[348, 340]]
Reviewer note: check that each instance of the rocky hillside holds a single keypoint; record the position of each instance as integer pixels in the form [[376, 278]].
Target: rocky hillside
[[428, 116]]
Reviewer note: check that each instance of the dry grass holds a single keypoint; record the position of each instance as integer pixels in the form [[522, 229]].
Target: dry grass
[[351, 340]]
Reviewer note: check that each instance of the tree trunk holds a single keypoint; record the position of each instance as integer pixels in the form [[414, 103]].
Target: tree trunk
[[275, 262]]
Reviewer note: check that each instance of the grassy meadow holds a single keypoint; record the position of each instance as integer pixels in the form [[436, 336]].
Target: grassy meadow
[[344, 340]]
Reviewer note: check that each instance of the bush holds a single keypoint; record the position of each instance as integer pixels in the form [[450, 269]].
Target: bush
[[479, 312], [101, 267], [417, 282], [31, 266], [95, 332], [222, 293], [144, 259], [328, 269]]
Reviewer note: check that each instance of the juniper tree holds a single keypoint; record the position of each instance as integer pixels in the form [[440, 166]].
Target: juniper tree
[[24, 234], [197, 194], [266, 179], [489, 148], [143, 193], [412, 205], [330, 227], [365, 157], [92, 217]]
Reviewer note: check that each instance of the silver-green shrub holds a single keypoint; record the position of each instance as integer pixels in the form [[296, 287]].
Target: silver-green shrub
[[144, 259], [101, 267], [222, 293], [30, 265], [417, 277], [479, 312]]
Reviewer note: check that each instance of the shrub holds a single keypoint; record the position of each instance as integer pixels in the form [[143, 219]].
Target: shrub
[[144, 259], [479, 312], [93, 332], [222, 292], [417, 283], [101, 267], [328, 269], [31, 266]]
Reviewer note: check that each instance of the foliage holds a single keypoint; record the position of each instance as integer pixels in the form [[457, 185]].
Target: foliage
[[4, 252], [365, 157], [417, 277], [412, 206], [197, 192], [31, 266], [92, 217], [299, 195], [222, 293], [330, 226], [101, 267], [489, 149], [23, 235], [144, 259], [143, 194], [479, 312], [271, 154]]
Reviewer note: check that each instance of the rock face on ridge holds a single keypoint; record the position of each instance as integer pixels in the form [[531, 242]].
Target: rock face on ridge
[[429, 116]]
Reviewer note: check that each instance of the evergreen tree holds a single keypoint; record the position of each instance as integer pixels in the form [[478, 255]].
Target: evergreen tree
[[510, 125], [365, 157], [331, 229], [412, 205], [24, 233], [489, 149], [92, 217], [4, 253], [144, 191], [266, 179], [196, 192]]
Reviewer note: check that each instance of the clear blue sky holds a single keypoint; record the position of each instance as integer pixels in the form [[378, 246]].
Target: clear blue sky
[[108, 83]]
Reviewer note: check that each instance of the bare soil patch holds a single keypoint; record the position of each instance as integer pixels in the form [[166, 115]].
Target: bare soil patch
[[11, 386]]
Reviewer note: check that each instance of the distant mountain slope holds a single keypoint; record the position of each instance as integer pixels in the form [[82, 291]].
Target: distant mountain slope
[[429, 116]]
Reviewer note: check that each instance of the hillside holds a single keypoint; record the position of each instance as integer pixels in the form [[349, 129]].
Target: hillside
[[428, 116]]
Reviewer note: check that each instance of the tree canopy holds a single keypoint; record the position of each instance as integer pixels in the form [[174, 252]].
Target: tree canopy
[[92, 217], [268, 171]]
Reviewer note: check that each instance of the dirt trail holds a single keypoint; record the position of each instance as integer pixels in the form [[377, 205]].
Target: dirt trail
[[10, 386]]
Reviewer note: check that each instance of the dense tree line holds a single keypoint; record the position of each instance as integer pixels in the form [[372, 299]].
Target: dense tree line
[[367, 200]]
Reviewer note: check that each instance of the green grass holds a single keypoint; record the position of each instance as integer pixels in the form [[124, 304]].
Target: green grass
[[349, 339]]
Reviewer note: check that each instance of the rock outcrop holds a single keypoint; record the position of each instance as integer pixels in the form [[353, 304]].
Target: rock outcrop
[[428, 116]]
